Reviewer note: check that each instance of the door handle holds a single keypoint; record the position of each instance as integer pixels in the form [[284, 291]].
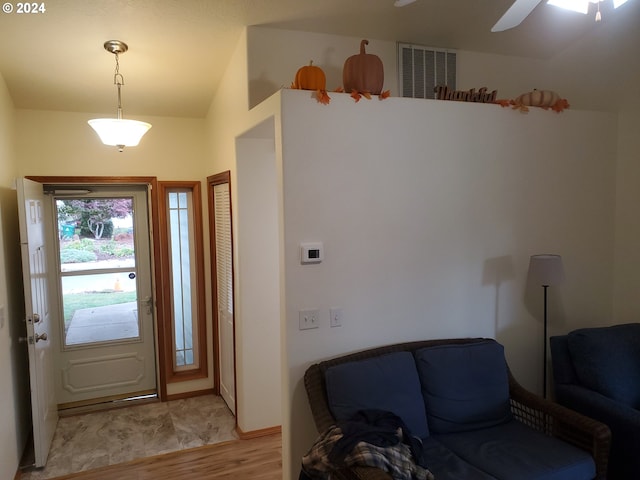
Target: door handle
[[36, 318], [148, 302], [39, 337]]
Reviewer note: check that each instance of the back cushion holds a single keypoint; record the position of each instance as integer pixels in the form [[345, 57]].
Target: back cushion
[[607, 360], [389, 382], [465, 387]]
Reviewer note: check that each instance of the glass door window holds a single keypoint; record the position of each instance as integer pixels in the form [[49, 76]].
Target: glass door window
[[96, 250]]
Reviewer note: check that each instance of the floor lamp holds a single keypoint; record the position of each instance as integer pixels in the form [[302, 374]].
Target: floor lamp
[[545, 270]]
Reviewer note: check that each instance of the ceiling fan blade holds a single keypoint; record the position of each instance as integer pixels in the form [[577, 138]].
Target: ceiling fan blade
[[515, 15], [402, 3]]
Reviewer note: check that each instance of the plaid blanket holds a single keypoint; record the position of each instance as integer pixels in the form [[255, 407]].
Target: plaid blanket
[[395, 459]]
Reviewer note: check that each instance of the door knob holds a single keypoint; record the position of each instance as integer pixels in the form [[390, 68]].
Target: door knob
[[36, 318], [41, 337]]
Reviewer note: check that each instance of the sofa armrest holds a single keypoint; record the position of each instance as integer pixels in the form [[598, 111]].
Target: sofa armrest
[[594, 404], [568, 425]]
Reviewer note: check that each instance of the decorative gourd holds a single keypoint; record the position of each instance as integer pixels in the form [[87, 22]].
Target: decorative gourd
[[537, 98], [310, 77], [363, 73]]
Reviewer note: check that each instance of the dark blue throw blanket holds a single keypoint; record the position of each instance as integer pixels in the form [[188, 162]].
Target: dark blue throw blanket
[[379, 428], [373, 427]]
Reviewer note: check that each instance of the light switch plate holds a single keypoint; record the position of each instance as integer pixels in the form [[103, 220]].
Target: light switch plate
[[335, 317], [309, 319]]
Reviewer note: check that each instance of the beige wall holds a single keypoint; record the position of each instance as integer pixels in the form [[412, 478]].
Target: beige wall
[[597, 89], [61, 143], [15, 420]]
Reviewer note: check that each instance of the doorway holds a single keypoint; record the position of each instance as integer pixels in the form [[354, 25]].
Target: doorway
[[219, 193], [103, 292]]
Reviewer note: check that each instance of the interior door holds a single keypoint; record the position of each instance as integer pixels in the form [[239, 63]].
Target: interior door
[[224, 291], [104, 288], [38, 316]]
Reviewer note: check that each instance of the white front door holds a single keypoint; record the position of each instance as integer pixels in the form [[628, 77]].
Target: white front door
[[104, 287], [39, 317]]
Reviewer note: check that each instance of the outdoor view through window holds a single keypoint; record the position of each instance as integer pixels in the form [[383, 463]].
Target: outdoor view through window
[[97, 270]]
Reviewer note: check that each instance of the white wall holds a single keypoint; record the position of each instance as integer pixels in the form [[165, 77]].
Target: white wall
[[259, 291], [428, 212], [15, 420], [246, 142]]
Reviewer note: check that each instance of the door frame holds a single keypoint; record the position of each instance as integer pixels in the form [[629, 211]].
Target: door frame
[[154, 228], [212, 181]]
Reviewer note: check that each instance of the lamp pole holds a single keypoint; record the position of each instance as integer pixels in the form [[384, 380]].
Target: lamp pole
[[544, 358], [545, 270]]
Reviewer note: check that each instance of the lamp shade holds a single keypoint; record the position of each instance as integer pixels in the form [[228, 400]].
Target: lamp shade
[[546, 269], [119, 132]]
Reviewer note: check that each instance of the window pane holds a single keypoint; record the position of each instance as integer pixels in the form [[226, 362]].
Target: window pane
[[95, 233], [181, 235], [99, 308]]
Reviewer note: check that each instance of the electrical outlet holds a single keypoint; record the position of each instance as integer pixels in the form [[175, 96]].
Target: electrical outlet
[[309, 319], [335, 317]]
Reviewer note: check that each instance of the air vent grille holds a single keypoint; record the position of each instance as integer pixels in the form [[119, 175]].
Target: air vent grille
[[421, 69]]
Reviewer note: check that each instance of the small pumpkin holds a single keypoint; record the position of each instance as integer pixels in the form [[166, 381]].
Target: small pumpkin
[[363, 72], [310, 77]]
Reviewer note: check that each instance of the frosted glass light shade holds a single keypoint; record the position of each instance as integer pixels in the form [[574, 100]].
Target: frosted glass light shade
[[119, 132]]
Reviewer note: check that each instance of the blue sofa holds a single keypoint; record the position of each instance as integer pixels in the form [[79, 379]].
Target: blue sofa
[[459, 397], [596, 371]]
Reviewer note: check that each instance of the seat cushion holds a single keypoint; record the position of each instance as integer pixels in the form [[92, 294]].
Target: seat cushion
[[514, 451], [388, 382], [464, 386], [446, 465], [607, 360]]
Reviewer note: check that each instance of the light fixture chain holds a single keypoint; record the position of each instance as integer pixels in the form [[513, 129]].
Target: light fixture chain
[[118, 79]]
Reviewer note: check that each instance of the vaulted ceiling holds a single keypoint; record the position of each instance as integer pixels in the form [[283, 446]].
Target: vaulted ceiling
[[178, 49]]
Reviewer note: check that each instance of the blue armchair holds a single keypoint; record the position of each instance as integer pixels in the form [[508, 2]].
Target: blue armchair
[[596, 371]]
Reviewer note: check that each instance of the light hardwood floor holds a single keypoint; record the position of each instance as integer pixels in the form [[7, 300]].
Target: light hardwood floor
[[257, 459]]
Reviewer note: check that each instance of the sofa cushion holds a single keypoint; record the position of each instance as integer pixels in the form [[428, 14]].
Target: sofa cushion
[[607, 360], [515, 451], [388, 382], [465, 386], [446, 465]]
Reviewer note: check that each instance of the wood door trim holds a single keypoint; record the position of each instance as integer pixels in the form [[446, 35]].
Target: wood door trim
[[155, 248]]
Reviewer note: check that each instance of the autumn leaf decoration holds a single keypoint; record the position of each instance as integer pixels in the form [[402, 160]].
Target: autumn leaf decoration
[[323, 97]]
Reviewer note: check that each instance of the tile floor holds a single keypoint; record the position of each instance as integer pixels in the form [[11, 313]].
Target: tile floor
[[93, 440]]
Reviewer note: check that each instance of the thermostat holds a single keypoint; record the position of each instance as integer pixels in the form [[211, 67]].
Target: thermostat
[[311, 252]]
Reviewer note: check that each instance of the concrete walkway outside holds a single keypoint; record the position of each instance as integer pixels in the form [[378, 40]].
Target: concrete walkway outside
[[102, 324]]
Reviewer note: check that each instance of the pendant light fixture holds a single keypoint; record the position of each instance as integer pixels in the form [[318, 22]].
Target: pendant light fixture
[[119, 132]]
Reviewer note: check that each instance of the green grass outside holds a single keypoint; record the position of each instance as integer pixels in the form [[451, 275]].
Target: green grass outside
[[78, 301]]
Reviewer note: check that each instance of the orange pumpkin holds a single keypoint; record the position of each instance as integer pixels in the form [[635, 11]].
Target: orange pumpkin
[[310, 77], [363, 73]]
